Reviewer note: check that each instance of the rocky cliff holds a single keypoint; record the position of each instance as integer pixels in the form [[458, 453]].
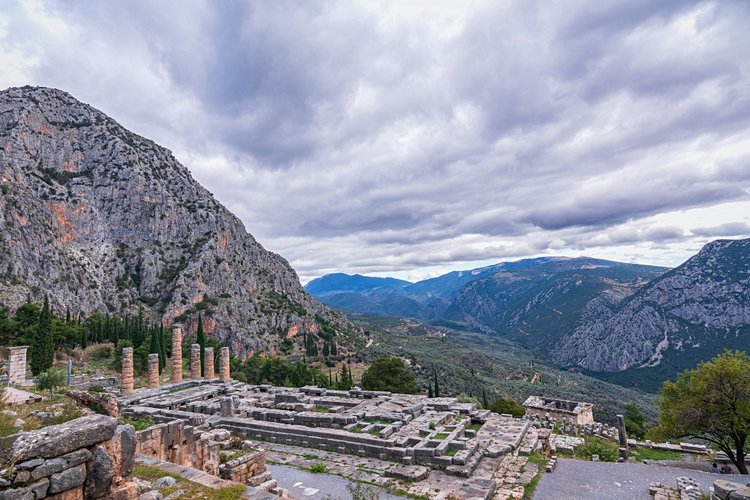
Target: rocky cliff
[[687, 315], [103, 219]]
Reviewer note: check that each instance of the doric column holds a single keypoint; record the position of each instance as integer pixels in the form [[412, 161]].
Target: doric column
[[224, 364], [176, 354], [153, 370], [208, 363], [195, 361], [127, 370], [17, 365]]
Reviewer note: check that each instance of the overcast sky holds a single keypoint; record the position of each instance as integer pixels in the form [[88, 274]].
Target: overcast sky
[[411, 138]]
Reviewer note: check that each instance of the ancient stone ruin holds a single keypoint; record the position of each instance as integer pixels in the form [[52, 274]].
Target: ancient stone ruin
[[17, 365], [575, 412], [89, 457]]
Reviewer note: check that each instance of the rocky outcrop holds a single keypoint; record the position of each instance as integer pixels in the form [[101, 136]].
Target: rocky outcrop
[[692, 312], [102, 219]]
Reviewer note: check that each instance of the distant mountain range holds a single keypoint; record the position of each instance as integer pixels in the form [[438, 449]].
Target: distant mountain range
[[598, 315]]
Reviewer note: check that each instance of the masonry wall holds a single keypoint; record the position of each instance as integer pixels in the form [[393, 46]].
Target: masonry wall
[[90, 457]]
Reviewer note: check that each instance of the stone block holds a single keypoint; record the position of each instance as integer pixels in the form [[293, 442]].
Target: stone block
[[100, 474], [56, 440], [723, 488], [48, 468], [67, 479]]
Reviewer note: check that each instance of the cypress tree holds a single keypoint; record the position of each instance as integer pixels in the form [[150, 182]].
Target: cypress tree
[[326, 351], [83, 339], [429, 391], [201, 341], [485, 403], [42, 350], [162, 349], [154, 346], [334, 350], [437, 386]]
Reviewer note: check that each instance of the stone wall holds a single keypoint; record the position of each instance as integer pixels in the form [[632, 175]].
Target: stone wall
[[17, 365], [183, 444], [89, 457], [249, 468], [575, 412]]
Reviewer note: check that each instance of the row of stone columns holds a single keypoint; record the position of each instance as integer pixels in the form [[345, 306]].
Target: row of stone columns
[[195, 363]]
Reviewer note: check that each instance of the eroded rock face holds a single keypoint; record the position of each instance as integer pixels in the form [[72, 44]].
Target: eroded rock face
[[103, 219], [699, 308], [57, 440]]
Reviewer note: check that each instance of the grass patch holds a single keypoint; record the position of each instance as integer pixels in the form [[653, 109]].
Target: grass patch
[[321, 409], [139, 423], [474, 427], [193, 491], [441, 435], [310, 456], [375, 432], [180, 389], [450, 452], [652, 454]]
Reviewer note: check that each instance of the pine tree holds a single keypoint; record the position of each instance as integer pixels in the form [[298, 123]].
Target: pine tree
[[437, 386], [201, 341], [42, 350]]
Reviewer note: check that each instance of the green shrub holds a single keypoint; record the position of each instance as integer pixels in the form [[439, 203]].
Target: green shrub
[[49, 380], [101, 353], [139, 423], [607, 450], [96, 389], [318, 468], [507, 405]]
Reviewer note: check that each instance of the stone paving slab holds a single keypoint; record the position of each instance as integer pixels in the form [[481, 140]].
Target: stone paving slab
[[194, 475], [576, 479]]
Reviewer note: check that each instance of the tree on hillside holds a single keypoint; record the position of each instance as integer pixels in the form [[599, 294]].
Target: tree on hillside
[[389, 374], [635, 421], [201, 340], [42, 350], [437, 386], [711, 403], [162, 350]]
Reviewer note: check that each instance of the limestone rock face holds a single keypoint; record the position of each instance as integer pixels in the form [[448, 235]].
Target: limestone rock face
[[57, 440], [690, 313], [103, 219]]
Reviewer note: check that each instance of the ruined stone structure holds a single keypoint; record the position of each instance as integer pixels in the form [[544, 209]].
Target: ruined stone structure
[[224, 364], [127, 370], [89, 457], [17, 365], [560, 409], [208, 362], [195, 361], [176, 354], [153, 370], [249, 468]]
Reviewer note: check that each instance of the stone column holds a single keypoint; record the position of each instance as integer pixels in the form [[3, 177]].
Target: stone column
[[17, 365], [176, 354], [127, 370], [224, 364], [208, 363], [153, 370], [622, 435], [195, 361]]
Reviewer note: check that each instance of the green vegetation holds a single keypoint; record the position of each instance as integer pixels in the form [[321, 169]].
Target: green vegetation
[[201, 341], [541, 461], [635, 421], [139, 423], [42, 348], [389, 374], [468, 363], [474, 427], [710, 403], [507, 405], [192, 491], [49, 380], [441, 435], [606, 449], [318, 468], [643, 453]]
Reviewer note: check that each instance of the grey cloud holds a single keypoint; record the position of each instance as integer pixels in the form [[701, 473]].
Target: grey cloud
[[345, 142], [741, 229]]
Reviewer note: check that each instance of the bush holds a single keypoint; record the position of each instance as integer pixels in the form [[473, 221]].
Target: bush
[[389, 374], [507, 405], [607, 450], [96, 389], [318, 468], [49, 380], [139, 423], [101, 353]]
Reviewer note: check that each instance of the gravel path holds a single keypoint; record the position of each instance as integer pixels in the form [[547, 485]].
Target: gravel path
[[579, 479]]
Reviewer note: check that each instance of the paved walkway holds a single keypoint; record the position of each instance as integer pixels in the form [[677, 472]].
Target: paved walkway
[[579, 479], [306, 485]]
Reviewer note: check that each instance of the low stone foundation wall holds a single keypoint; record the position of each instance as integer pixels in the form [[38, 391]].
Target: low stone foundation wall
[[89, 457], [249, 468]]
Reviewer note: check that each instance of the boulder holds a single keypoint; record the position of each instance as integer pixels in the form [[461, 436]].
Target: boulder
[[164, 482], [723, 488], [57, 440], [740, 494], [121, 447]]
